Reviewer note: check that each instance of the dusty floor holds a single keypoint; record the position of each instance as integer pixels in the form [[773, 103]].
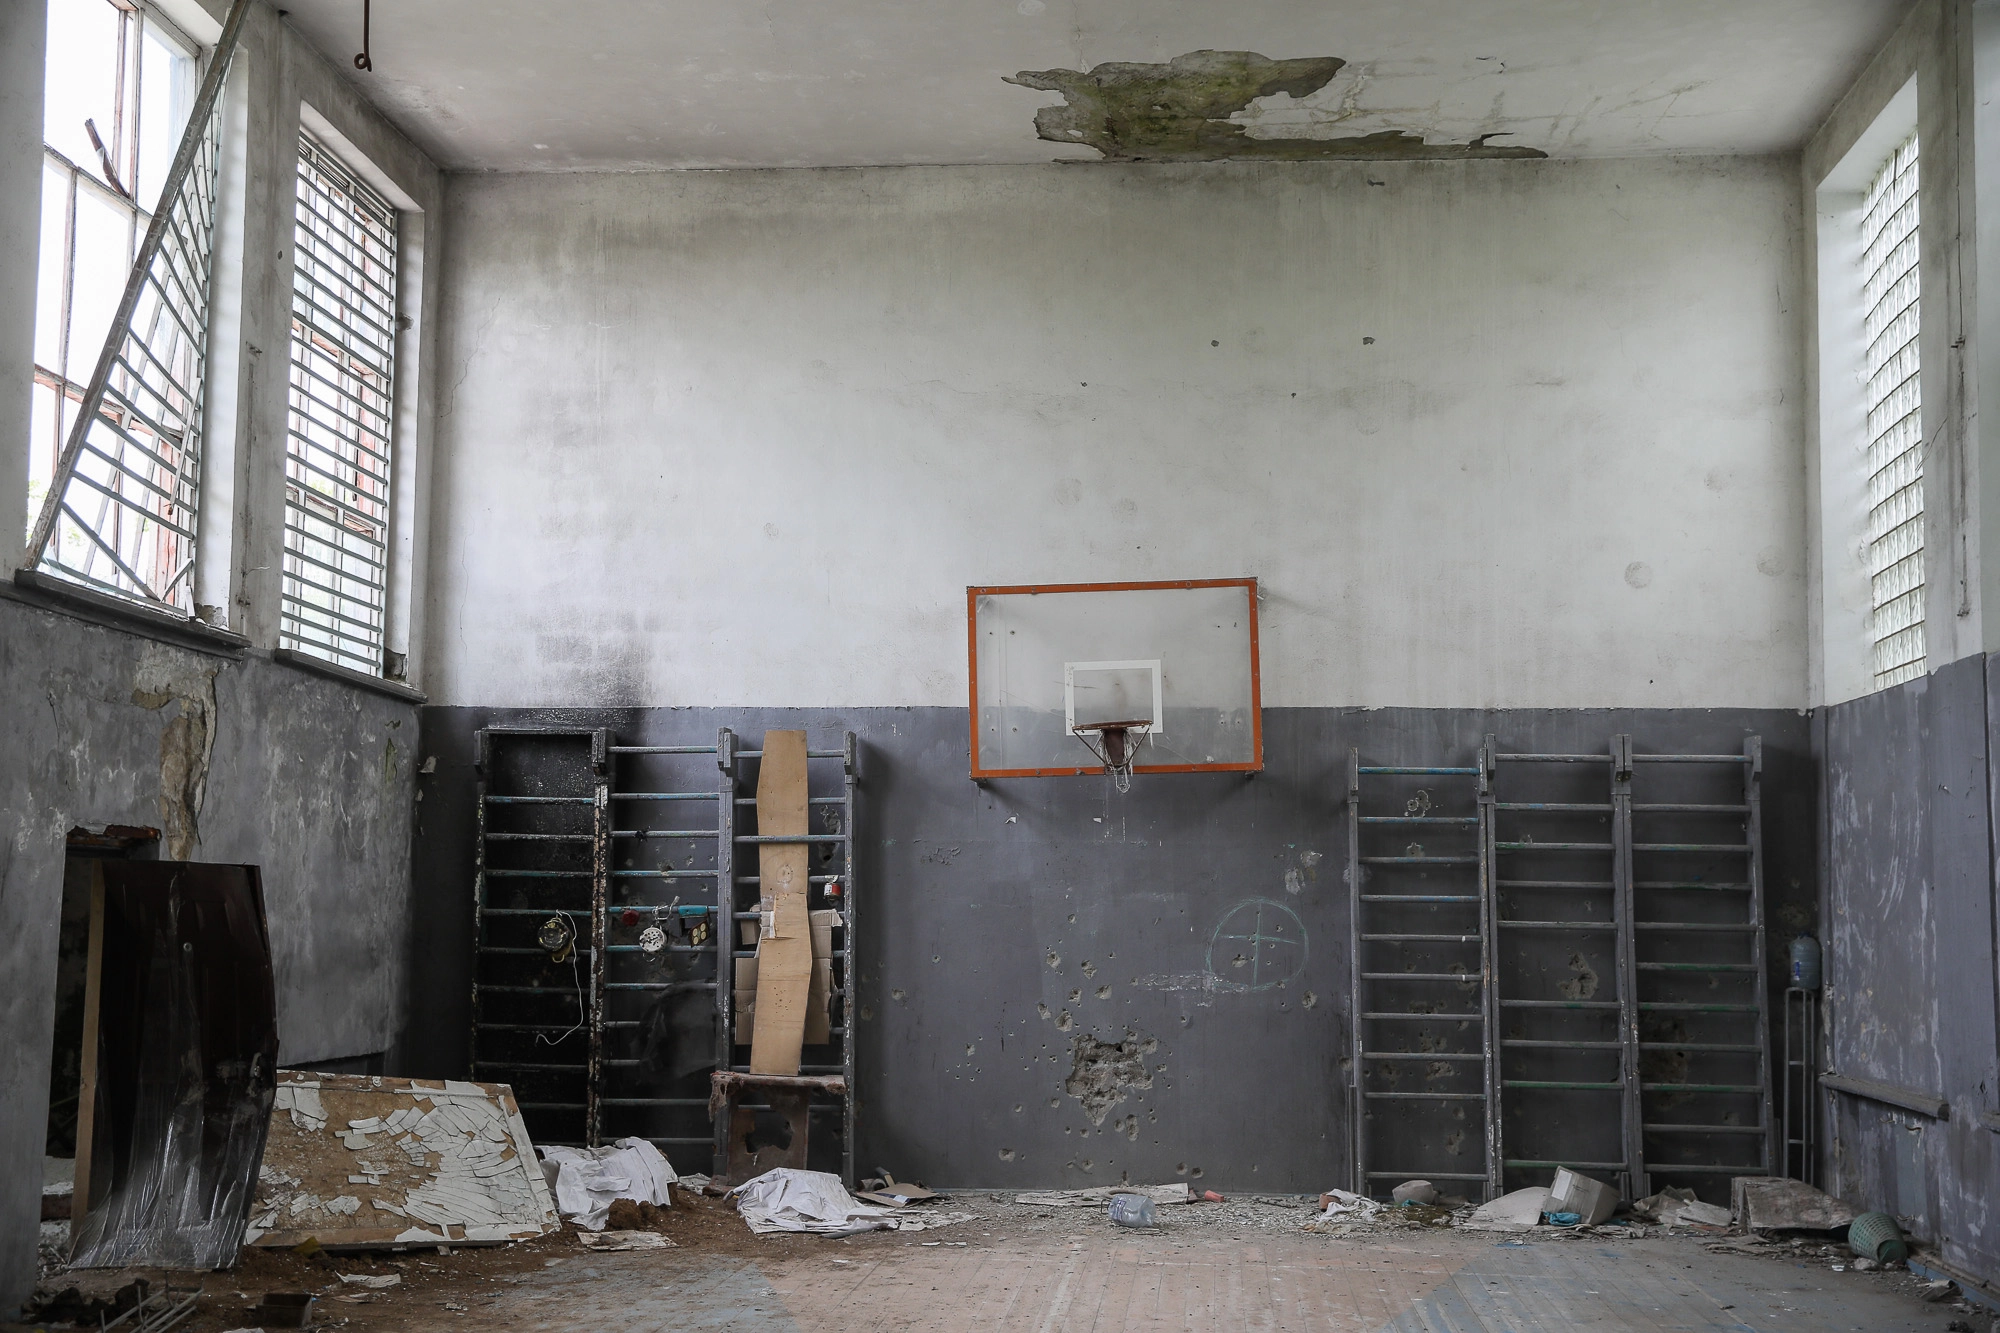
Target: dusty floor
[[1245, 1265]]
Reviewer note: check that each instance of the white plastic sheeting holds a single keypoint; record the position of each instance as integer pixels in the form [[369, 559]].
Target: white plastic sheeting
[[788, 1199], [586, 1180]]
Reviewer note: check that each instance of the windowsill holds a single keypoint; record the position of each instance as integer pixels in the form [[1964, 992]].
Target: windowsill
[[51, 594], [321, 667]]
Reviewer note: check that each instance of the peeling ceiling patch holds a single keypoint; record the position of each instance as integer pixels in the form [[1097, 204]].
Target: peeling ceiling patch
[[1181, 112]]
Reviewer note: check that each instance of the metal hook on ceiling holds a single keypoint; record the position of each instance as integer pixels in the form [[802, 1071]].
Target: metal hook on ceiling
[[362, 60]]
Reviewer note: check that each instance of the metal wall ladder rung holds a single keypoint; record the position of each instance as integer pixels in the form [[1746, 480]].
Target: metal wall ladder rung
[[1566, 1064], [1401, 915]]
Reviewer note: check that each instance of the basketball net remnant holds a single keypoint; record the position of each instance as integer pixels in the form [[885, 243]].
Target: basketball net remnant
[[1115, 746]]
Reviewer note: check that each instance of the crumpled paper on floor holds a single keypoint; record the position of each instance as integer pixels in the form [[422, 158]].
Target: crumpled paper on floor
[[587, 1180], [788, 1199]]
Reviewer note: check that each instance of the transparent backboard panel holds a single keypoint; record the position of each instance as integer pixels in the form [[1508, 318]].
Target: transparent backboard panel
[[1181, 657]]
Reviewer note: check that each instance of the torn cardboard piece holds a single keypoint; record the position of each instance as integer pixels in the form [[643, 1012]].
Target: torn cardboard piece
[[784, 944], [355, 1162]]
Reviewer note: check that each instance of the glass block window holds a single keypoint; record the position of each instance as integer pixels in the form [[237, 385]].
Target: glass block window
[[1894, 433]]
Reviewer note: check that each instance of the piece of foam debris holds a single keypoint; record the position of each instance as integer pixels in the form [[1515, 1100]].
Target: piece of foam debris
[[370, 1125], [346, 1205], [355, 1140]]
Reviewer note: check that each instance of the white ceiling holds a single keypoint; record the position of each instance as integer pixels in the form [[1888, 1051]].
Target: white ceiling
[[516, 85]]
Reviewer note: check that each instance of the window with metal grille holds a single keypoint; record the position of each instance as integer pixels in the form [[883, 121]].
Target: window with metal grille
[[337, 450], [1894, 427], [115, 500]]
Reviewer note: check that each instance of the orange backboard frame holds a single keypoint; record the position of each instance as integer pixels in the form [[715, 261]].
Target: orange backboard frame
[[972, 596]]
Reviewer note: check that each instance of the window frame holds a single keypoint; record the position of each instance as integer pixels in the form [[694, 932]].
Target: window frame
[[348, 489], [1893, 445]]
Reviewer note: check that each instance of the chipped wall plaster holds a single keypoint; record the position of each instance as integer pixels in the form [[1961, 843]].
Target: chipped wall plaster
[[1187, 110]]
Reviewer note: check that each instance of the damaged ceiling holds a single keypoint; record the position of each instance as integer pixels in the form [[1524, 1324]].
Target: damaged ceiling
[[623, 84]]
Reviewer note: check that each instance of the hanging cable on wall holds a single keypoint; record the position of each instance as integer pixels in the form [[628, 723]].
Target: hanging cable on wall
[[362, 61]]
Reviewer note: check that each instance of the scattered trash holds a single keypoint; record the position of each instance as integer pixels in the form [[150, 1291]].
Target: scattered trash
[[1133, 1210], [1877, 1237], [624, 1240], [1942, 1289], [1772, 1203], [588, 1180], [788, 1199], [1705, 1215], [1100, 1195], [1564, 1219], [1414, 1191], [1663, 1207], [371, 1282], [1519, 1211], [1341, 1206], [1210, 1196], [893, 1193], [1572, 1192], [1865, 1265]]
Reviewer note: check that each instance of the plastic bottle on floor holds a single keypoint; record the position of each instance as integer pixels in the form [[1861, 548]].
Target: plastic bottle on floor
[[1133, 1210]]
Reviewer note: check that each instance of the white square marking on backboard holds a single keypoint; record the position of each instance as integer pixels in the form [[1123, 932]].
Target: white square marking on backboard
[[1070, 669]]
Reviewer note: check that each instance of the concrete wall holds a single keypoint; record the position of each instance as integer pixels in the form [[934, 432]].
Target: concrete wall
[[238, 757], [1001, 923], [1912, 990], [1498, 434]]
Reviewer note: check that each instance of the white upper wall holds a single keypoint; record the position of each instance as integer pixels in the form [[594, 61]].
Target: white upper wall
[[744, 438]]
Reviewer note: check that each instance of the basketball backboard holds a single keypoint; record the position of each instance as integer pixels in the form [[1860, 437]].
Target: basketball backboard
[[1175, 661]]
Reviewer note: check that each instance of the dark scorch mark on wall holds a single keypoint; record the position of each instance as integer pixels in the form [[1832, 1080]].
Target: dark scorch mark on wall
[[1179, 112]]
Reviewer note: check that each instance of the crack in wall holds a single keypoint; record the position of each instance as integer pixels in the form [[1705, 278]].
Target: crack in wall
[[1180, 112], [187, 741]]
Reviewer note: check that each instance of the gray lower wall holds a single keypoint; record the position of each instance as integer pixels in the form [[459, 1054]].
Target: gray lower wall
[[1908, 874], [979, 904], [238, 759]]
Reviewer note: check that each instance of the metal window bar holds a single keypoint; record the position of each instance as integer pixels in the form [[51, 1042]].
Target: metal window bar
[[1383, 999], [122, 507], [338, 434], [1891, 288]]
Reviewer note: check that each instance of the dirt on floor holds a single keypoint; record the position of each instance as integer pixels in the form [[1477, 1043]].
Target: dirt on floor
[[430, 1281]]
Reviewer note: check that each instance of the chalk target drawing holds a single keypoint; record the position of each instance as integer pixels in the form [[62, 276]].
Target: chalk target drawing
[[1259, 944]]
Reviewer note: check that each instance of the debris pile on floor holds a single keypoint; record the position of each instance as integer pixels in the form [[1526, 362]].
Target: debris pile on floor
[[788, 1199], [589, 1181]]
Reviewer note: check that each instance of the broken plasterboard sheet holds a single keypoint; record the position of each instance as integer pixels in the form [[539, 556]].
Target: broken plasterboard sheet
[[1519, 1211], [1773, 1203], [436, 1163], [1101, 1195]]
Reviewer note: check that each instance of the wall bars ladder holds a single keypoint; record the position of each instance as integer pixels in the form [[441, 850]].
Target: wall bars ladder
[[1421, 1009], [1620, 994], [607, 944]]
